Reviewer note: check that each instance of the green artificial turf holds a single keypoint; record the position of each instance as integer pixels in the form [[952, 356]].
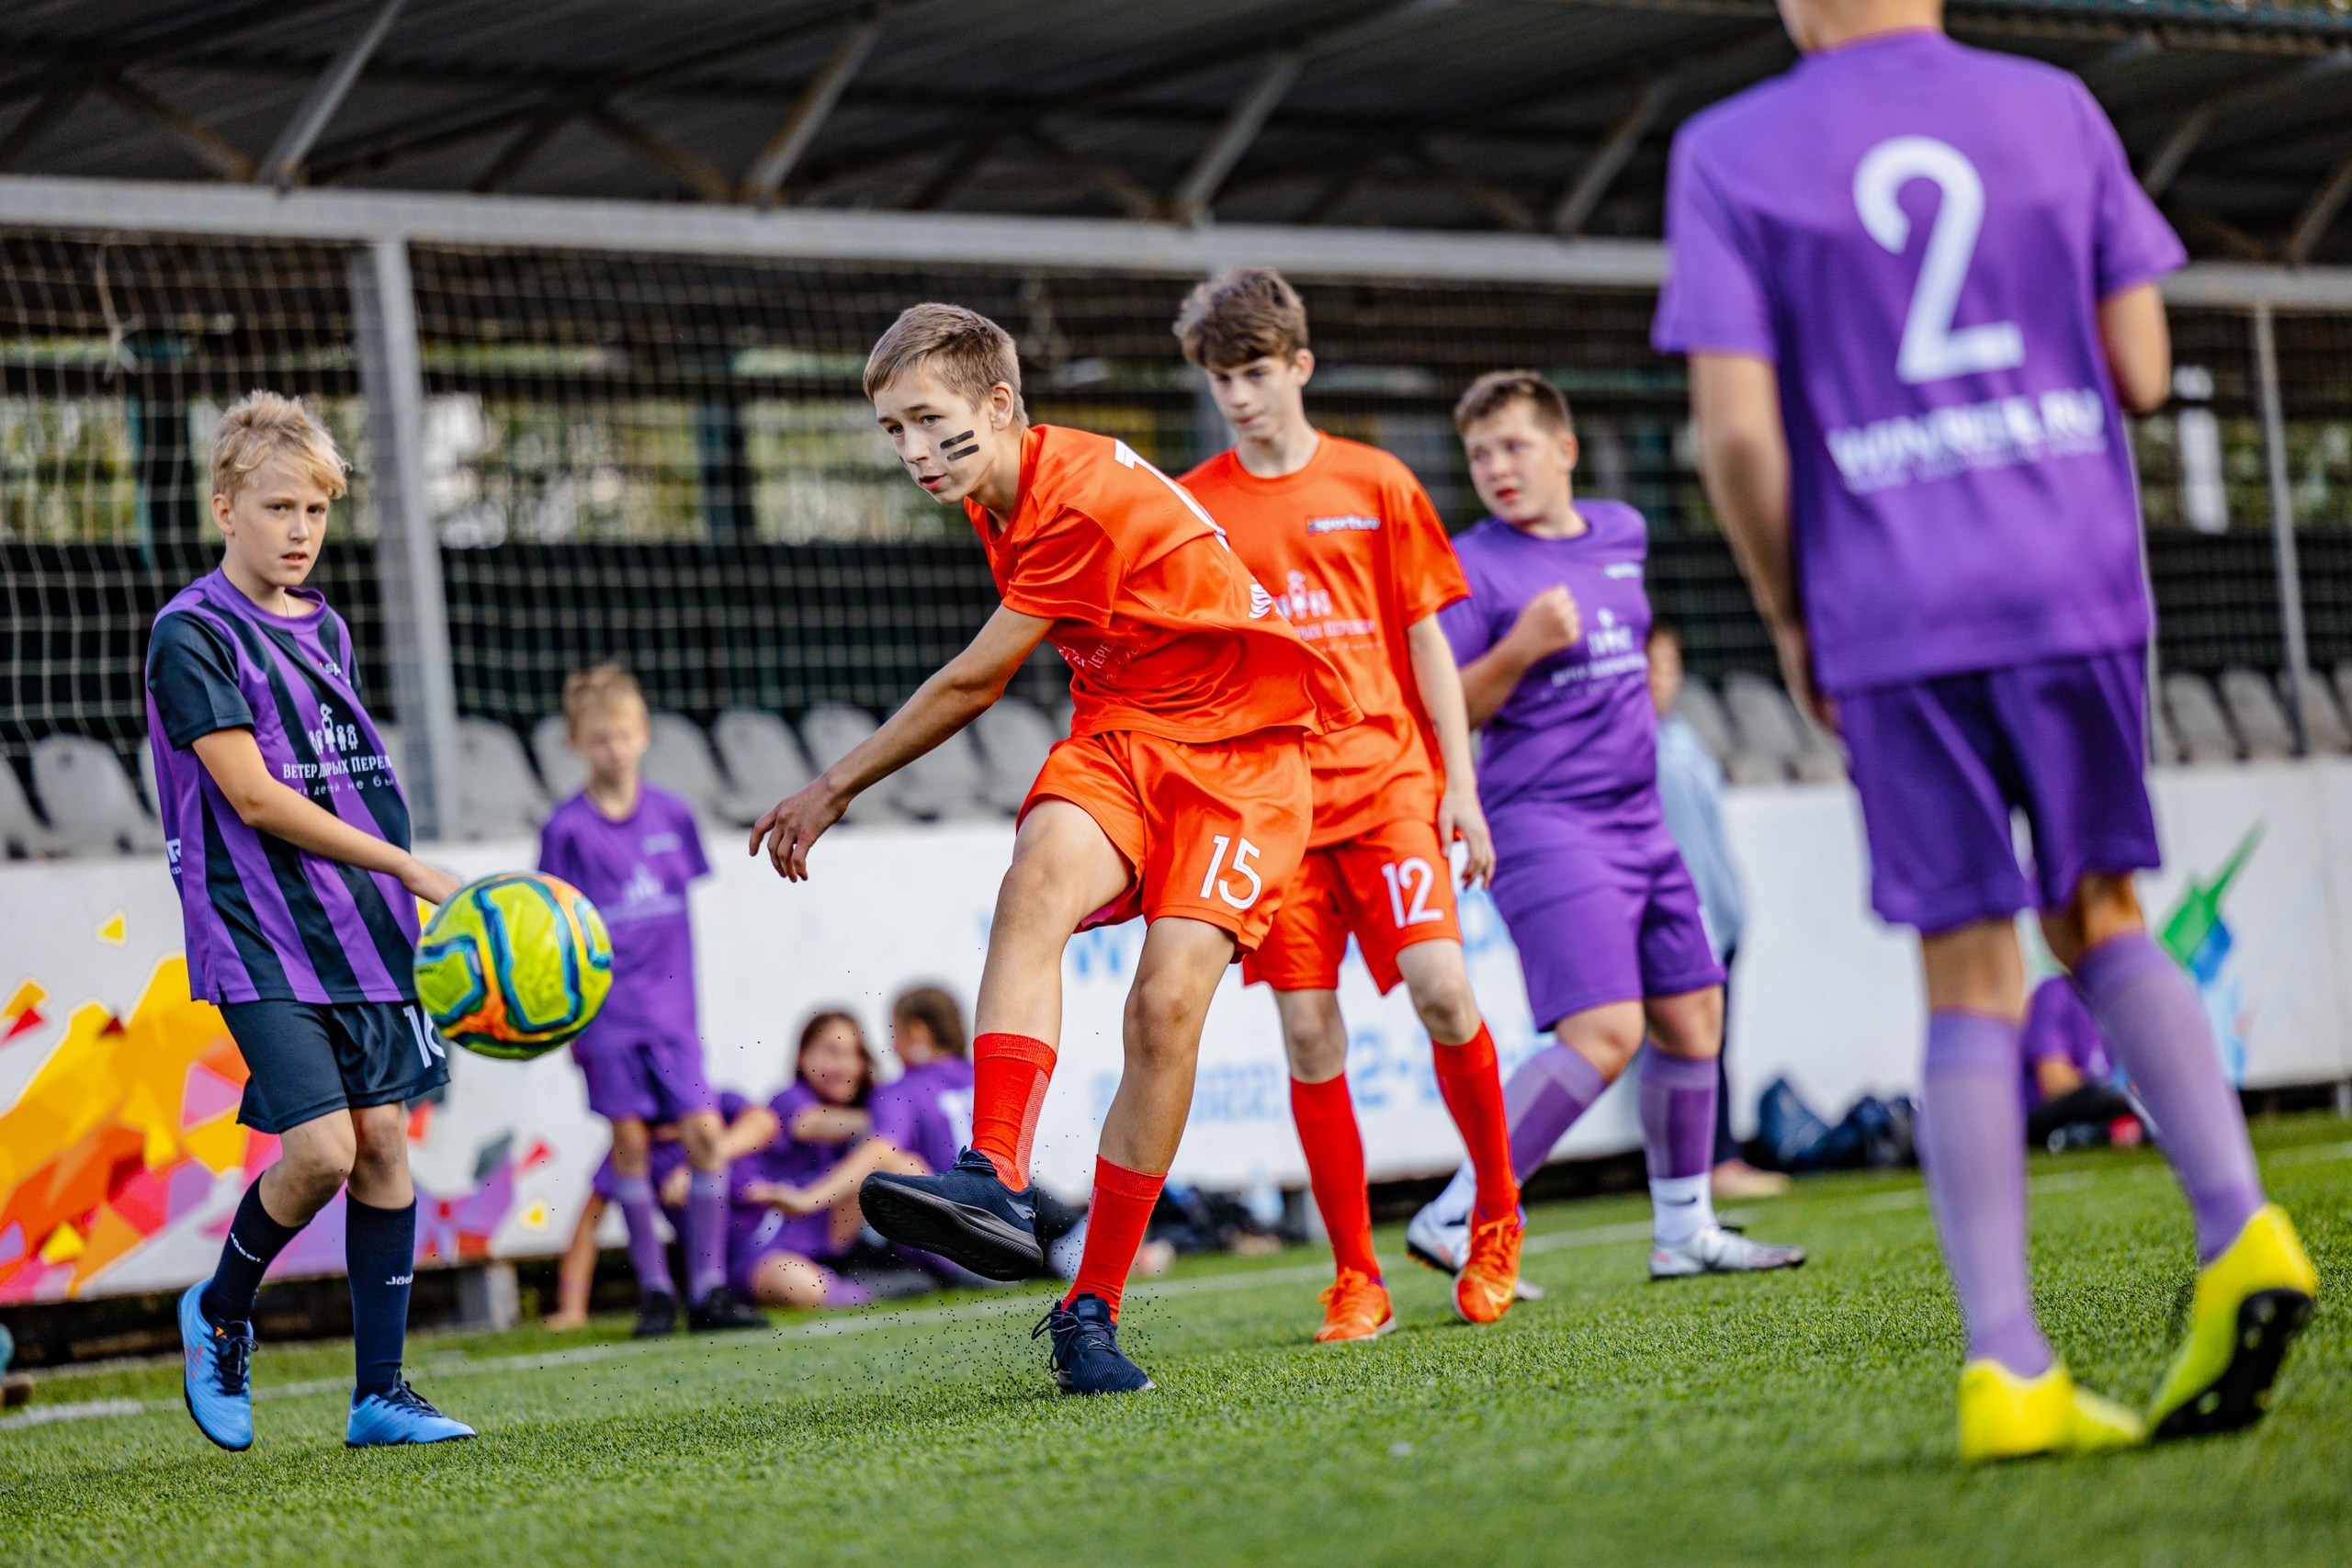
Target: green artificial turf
[[1800, 1418]]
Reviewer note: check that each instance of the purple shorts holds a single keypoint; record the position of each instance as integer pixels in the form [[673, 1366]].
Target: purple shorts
[[1600, 911], [1941, 764], [802, 1236], [645, 1079]]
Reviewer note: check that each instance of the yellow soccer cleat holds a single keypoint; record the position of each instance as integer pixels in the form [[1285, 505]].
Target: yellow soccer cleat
[[1355, 1306], [2250, 1303], [2003, 1415], [1488, 1282]]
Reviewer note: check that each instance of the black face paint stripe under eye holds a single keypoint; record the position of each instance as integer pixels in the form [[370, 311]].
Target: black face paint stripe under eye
[[962, 445]]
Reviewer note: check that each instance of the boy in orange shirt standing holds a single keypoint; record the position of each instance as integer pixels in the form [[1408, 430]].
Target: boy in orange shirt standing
[[1182, 795], [1362, 565]]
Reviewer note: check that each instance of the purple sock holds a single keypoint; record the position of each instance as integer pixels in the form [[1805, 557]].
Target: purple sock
[[1544, 1098], [646, 1255], [1971, 1132], [841, 1292], [2155, 1024], [1677, 1114], [705, 1236]]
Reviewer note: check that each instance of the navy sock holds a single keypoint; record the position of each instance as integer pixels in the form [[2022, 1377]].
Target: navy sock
[[254, 1241], [379, 1249]]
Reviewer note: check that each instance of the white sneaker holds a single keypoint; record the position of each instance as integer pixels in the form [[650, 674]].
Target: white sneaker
[[1714, 1250], [1442, 1242]]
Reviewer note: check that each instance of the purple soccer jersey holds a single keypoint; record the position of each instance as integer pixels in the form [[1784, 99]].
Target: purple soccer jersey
[[1587, 877], [1579, 726], [1917, 236], [755, 1230], [636, 872], [928, 1111], [265, 921]]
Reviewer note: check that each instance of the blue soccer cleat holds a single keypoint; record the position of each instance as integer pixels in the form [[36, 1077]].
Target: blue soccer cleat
[[1086, 1349], [965, 1214], [218, 1380], [402, 1415]]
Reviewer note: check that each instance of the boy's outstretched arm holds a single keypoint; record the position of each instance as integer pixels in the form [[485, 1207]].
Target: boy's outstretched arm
[[1439, 681], [1744, 463], [263, 804], [962, 690]]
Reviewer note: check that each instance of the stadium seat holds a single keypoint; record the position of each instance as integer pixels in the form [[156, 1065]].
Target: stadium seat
[[1771, 738], [91, 804], [1015, 737], [680, 761], [1697, 705], [947, 784], [561, 767], [2254, 709], [2324, 727], [2164, 750], [21, 832], [2198, 723], [498, 796], [762, 758], [829, 730]]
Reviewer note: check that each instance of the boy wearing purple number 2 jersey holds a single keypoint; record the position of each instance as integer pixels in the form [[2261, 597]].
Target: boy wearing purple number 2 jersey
[[1916, 285], [287, 840], [1552, 643], [634, 850]]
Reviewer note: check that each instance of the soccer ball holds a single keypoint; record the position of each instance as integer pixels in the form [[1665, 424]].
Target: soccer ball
[[513, 965]]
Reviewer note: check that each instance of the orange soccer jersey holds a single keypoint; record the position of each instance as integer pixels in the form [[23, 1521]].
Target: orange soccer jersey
[[1355, 554], [1192, 695]]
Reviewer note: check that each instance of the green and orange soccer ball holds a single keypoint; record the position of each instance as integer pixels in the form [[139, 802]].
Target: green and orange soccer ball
[[513, 965]]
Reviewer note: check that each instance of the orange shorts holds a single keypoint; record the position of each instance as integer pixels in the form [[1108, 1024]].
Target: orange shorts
[[1211, 830], [1389, 887]]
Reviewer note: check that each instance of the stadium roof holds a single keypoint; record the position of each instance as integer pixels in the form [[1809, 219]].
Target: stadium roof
[[1540, 117]]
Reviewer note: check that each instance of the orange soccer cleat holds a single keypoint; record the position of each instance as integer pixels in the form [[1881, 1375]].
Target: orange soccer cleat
[[1355, 1306], [1488, 1282]]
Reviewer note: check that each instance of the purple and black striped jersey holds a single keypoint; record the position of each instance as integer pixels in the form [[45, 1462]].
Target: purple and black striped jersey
[[264, 919]]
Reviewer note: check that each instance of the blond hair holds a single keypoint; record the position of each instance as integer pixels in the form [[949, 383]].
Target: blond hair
[[599, 689], [262, 427], [1498, 390], [1249, 313], [967, 351]]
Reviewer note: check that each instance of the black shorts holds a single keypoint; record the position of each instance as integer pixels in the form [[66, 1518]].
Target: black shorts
[[307, 1059]]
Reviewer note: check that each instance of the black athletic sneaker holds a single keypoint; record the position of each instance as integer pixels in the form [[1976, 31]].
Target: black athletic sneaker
[[722, 1310], [657, 1315], [1086, 1349], [965, 1214]]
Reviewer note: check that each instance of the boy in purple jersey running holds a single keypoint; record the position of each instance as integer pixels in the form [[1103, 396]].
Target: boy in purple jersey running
[[288, 839], [634, 850], [1552, 644], [1916, 285]]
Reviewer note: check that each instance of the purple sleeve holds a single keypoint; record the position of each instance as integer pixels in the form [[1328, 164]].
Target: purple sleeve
[[690, 836], [1466, 623], [796, 1098], [1712, 300], [731, 1105], [2133, 243]]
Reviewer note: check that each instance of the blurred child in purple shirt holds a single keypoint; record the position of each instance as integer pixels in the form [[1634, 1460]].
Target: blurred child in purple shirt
[[634, 850]]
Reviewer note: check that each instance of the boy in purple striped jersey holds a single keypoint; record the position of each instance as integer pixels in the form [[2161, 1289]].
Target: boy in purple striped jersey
[[1916, 283], [288, 837], [634, 850]]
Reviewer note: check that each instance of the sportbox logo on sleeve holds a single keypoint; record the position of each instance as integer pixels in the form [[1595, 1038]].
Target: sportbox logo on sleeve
[[1345, 523]]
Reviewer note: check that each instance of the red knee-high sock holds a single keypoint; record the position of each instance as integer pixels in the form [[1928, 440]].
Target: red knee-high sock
[[1473, 1087], [1009, 1076], [1114, 1228], [1327, 1126]]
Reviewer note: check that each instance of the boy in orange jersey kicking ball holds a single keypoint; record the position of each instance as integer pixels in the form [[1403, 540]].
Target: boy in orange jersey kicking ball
[[1182, 795], [1359, 560]]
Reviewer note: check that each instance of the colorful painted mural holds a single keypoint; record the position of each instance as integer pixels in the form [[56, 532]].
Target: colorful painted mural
[[125, 1145]]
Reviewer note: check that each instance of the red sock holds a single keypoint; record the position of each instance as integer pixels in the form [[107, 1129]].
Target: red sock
[[1114, 1228], [1326, 1117], [1009, 1076], [1473, 1087]]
